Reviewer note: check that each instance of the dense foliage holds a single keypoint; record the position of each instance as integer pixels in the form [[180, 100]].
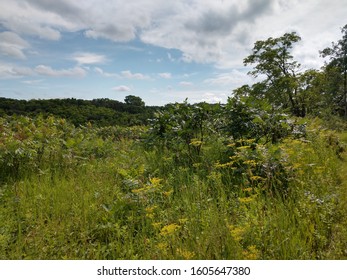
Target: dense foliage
[[110, 193], [101, 112]]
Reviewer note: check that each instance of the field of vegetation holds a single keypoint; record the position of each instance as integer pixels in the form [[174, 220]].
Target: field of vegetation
[[170, 192], [261, 177]]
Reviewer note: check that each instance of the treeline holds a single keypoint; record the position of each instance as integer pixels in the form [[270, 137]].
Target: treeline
[[100, 112]]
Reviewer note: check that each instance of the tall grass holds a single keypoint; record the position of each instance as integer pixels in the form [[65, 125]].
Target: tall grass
[[107, 197]]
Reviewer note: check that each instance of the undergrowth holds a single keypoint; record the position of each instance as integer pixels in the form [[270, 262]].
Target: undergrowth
[[87, 193]]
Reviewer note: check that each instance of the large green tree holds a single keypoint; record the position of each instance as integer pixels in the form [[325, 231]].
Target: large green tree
[[273, 60], [336, 71], [134, 101]]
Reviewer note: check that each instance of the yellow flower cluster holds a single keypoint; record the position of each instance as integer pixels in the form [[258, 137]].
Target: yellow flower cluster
[[246, 199], [150, 211], [169, 229], [237, 232], [155, 181], [187, 255], [252, 253], [153, 185], [195, 143], [168, 193]]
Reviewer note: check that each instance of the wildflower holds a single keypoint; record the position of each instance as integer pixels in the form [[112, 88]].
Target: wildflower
[[223, 165], [155, 182], [250, 162], [162, 246], [123, 172], [187, 255], [157, 225], [150, 211], [256, 178], [252, 253], [246, 199], [243, 147], [168, 193], [169, 229], [237, 232], [250, 141], [195, 143], [182, 221]]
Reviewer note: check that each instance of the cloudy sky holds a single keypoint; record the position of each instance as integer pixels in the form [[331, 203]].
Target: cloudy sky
[[162, 51]]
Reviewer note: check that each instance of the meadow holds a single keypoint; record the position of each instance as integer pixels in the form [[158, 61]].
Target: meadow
[[171, 192]]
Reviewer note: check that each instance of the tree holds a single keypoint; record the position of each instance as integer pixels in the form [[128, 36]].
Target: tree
[[134, 101], [338, 63], [273, 60]]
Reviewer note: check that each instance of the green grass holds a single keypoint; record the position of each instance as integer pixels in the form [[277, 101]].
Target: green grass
[[283, 201]]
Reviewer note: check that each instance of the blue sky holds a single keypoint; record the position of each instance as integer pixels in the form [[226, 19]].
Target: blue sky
[[162, 51]]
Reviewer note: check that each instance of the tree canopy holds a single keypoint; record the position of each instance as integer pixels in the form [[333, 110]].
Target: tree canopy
[[337, 66], [272, 59]]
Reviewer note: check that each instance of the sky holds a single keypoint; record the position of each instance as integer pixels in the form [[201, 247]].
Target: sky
[[161, 51]]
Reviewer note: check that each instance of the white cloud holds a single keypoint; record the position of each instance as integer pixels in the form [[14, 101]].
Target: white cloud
[[233, 79], [88, 58], [27, 18], [48, 71], [186, 84], [122, 88], [106, 74], [137, 76], [212, 97], [165, 75], [12, 45], [121, 21], [32, 82], [202, 31], [194, 96], [126, 74], [8, 71]]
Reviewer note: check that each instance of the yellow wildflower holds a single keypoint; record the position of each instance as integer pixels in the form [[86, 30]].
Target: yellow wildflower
[[168, 193], [169, 229], [237, 232], [183, 221], [252, 253], [150, 211], [250, 162], [162, 246], [187, 255], [155, 181], [195, 143], [256, 178], [246, 199], [156, 225], [243, 147]]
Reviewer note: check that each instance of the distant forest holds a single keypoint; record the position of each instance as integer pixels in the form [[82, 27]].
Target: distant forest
[[100, 112]]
